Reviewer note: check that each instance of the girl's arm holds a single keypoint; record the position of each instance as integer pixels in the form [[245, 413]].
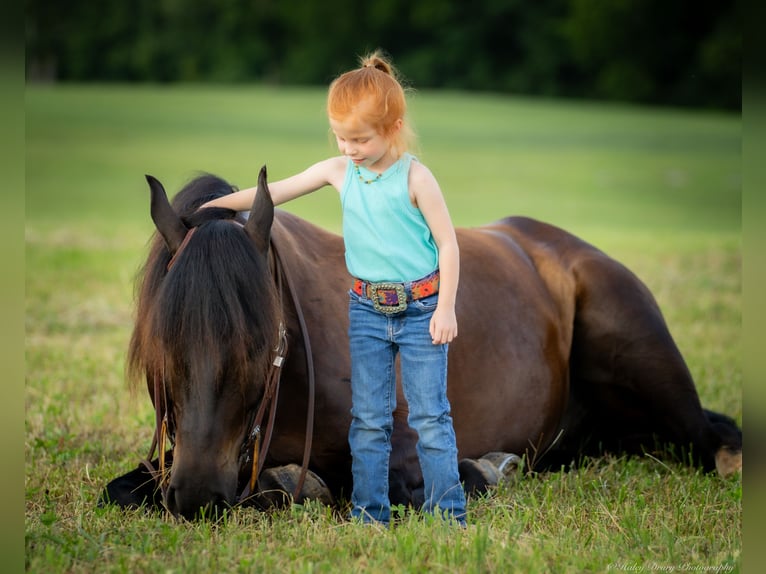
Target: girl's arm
[[427, 196], [328, 172]]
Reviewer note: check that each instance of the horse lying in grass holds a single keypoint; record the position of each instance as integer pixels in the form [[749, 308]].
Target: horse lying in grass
[[241, 336]]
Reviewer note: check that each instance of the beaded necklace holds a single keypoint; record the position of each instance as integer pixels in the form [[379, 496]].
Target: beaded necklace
[[366, 181]]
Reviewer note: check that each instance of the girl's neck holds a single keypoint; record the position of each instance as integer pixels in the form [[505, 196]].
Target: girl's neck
[[385, 162]]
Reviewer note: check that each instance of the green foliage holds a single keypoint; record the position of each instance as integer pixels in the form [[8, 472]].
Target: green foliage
[[681, 53], [659, 189], [637, 49]]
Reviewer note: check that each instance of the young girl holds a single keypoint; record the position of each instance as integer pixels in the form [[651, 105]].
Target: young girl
[[402, 250]]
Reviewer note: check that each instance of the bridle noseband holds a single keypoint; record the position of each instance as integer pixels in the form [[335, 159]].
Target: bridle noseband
[[257, 439]]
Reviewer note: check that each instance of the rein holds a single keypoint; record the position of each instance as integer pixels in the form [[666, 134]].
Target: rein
[[252, 452]]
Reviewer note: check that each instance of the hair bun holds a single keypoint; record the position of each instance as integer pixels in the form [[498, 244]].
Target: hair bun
[[378, 61]]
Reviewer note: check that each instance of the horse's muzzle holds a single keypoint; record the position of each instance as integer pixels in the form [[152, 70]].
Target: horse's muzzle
[[196, 503]]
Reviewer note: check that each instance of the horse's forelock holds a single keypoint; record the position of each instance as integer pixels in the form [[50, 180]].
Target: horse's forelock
[[219, 298], [217, 304]]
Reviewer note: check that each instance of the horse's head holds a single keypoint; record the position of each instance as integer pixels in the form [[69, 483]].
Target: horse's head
[[207, 323]]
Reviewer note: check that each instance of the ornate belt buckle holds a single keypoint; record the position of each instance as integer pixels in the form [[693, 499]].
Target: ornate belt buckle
[[401, 298]]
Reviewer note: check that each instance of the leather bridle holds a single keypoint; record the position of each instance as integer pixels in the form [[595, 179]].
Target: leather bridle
[[257, 439]]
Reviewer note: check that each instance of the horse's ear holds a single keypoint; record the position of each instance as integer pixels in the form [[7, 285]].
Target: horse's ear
[[165, 219], [258, 225]]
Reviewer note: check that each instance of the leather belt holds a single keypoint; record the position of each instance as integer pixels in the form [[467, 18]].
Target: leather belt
[[391, 297]]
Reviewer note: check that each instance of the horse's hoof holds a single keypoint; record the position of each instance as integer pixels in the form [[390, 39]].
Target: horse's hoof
[[728, 462], [276, 486], [314, 488], [506, 463], [478, 475]]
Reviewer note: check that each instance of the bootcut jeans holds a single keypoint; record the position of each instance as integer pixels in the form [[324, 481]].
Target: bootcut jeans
[[375, 340]]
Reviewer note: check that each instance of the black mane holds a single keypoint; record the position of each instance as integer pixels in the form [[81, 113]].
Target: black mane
[[214, 311]]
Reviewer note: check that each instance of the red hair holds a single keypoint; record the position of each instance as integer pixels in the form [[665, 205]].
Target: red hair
[[372, 94]]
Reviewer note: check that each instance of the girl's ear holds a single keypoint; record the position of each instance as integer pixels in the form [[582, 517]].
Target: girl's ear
[[394, 130]]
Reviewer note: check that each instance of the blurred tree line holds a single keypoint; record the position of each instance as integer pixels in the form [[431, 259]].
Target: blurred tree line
[[669, 52]]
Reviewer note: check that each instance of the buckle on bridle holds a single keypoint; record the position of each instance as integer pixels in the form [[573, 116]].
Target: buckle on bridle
[[389, 309]]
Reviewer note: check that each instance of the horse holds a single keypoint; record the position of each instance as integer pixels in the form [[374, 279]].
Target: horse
[[241, 335]]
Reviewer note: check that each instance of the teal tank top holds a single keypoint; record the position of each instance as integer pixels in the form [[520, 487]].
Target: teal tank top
[[387, 239]]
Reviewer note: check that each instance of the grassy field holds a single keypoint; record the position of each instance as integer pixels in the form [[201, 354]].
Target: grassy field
[[658, 189]]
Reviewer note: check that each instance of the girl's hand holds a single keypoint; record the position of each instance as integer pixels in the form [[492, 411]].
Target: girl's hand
[[443, 325]]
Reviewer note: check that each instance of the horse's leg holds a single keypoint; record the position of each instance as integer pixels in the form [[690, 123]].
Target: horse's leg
[[629, 383]]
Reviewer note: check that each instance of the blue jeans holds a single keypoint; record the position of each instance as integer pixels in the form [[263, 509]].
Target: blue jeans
[[375, 340]]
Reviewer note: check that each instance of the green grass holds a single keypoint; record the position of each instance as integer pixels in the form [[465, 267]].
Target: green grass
[[658, 189]]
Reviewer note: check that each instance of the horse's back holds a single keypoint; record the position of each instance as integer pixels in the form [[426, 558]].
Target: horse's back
[[629, 384]]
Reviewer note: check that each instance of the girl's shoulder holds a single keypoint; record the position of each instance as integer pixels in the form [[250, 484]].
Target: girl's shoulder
[[333, 170], [420, 174], [421, 183], [338, 162], [333, 164]]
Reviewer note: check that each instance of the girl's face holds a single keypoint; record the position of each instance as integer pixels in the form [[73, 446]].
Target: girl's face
[[363, 144]]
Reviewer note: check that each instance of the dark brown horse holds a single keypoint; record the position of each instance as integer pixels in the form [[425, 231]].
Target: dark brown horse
[[562, 353]]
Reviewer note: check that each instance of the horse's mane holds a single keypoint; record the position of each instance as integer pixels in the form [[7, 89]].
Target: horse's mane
[[214, 312]]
